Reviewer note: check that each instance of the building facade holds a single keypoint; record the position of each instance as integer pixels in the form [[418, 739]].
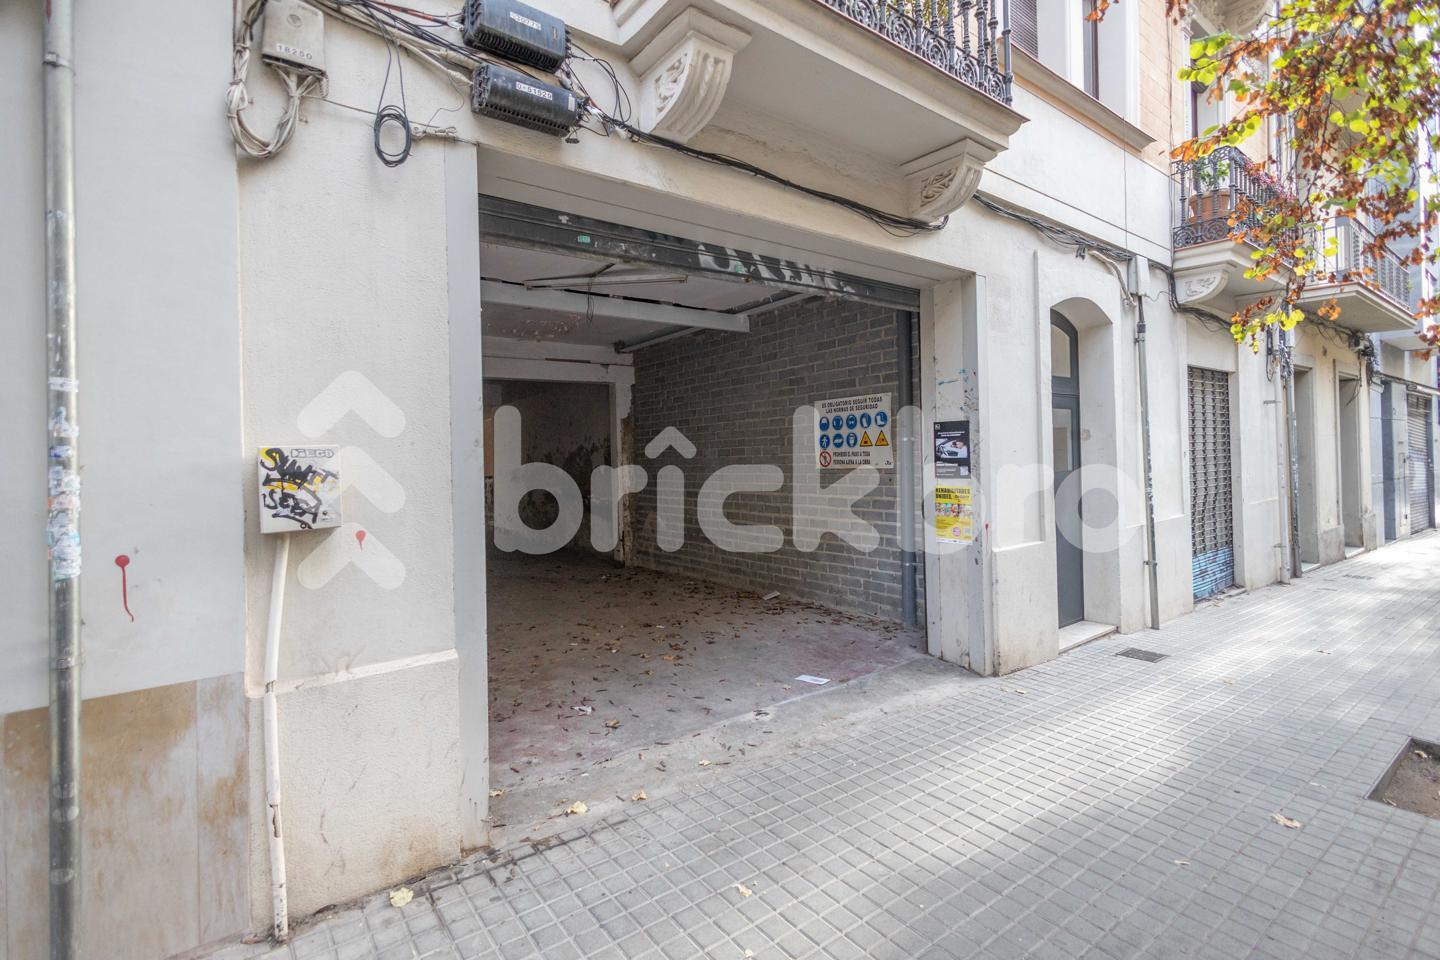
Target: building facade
[[322, 297]]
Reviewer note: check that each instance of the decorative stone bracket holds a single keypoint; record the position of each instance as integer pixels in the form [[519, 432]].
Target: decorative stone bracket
[[684, 72], [1194, 287], [940, 183]]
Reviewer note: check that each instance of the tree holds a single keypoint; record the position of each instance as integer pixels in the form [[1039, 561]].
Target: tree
[[1356, 86]]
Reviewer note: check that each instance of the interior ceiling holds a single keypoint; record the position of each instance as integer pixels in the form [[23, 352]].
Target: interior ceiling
[[520, 264]]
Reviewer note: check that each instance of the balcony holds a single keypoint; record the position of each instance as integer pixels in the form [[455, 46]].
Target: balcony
[[913, 95], [1214, 197]]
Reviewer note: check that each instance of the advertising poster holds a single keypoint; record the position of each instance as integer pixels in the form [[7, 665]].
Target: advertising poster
[[952, 449], [954, 513]]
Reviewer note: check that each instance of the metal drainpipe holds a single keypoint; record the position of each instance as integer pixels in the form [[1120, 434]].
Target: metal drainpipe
[[63, 479], [905, 463], [1151, 563], [1293, 453]]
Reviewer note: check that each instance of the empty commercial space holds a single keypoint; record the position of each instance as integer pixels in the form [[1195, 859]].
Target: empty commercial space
[[673, 543]]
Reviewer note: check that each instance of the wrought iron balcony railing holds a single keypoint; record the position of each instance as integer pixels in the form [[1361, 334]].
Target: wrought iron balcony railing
[[1354, 261], [968, 39], [1227, 186], [1215, 189]]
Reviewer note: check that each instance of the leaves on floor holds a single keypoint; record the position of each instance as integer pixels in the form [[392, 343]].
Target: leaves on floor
[[1285, 821]]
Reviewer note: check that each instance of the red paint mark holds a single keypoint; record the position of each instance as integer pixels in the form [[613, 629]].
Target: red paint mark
[[122, 562], [360, 538]]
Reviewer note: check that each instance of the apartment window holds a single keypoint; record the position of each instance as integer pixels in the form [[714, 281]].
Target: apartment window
[[1090, 44]]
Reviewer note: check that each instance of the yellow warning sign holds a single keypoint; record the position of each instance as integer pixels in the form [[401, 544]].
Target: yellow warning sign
[[865, 439], [881, 440]]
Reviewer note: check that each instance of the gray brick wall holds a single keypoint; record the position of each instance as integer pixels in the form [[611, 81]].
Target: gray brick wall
[[734, 395]]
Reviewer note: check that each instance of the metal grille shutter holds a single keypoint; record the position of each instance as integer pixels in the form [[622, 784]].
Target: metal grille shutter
[[1024, 28], [1212, 537], [1420, 465]]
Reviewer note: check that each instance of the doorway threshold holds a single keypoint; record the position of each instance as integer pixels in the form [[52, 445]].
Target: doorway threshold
[[1083, 632]]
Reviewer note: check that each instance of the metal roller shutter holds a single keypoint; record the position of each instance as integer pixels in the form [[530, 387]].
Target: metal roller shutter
[[1212, 536], [1024, 29], [1420, 465]]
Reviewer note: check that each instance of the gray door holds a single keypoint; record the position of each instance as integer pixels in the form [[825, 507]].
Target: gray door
[[1065, 427], [1420, 465], [1212, 524]]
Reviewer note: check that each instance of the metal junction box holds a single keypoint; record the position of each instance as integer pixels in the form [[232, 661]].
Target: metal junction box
[[299, 487]]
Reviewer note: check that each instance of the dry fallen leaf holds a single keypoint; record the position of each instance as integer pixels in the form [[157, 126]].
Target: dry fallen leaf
[[704, 763], [576, 808], [639, 795], [1182, 863], [400, 897], [1285, 821], [744, 890], [1421, 755], [612, 724], [496, 793]]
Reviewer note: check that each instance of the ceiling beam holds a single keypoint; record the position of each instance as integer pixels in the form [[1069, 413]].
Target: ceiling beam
[[612, 308]]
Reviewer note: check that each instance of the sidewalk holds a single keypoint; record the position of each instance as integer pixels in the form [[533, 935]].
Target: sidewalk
[[1095, 807]]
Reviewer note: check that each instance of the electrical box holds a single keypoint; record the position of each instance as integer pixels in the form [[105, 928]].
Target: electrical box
[[519, 98], [299, 487], [516, 31], [294, 35]]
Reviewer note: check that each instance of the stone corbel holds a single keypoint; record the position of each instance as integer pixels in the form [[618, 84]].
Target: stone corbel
[[940, 183], [1195, 287], [684, 72]]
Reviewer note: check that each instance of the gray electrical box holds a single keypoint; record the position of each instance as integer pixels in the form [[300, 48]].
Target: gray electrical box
[[294, 35]]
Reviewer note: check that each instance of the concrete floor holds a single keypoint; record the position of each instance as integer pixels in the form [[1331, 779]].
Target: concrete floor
[[592, 666]]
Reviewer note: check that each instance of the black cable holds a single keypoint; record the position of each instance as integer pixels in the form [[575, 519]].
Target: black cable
[[389, 113], [889, 222]]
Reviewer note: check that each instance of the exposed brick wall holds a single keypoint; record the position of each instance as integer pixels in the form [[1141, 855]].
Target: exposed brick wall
[[734, 396]]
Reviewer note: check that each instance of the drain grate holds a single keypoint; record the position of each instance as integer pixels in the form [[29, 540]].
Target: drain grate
[[1135, 653]]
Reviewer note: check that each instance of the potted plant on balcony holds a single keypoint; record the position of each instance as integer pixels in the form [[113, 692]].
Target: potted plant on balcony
[[1213, 197]]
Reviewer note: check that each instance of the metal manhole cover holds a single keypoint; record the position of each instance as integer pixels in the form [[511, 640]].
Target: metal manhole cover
[[1135, 653]]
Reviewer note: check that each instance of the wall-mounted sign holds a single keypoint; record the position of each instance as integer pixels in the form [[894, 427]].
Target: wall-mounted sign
[[855, 432], [955, 513], [952, 449]]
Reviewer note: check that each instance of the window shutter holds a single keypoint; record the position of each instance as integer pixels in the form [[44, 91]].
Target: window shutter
[[1024, 31]]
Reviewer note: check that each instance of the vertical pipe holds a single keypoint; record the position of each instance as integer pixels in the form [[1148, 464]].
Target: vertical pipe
[[279, 894], [1288, 340], [63, 479], [905, 425], [1154, 570]]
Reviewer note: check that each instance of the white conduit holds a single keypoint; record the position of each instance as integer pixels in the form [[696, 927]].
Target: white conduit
[[278, 897]]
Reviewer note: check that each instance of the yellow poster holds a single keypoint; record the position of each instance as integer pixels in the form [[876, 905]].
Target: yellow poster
[[955, 514]]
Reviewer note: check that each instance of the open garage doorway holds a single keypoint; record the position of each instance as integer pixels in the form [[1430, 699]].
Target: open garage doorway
[[689, 604]]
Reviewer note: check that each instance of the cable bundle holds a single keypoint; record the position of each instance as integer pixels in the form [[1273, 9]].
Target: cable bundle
[[299, 84]]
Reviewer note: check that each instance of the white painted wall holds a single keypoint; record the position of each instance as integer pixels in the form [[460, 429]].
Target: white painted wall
[[159, 352]]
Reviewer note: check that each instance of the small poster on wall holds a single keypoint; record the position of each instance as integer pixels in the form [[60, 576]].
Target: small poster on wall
[[952, 449], [955, 513]]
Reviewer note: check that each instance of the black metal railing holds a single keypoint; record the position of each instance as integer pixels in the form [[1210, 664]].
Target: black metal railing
[[1219, 195], [968, 39], [1345, 254], [1215, 190]]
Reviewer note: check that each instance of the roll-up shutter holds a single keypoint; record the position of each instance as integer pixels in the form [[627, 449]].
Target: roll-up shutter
[[1420, 465], [1212, 536]]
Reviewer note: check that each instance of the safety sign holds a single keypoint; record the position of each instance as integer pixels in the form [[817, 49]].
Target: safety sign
[[854, 432], [955, 513]]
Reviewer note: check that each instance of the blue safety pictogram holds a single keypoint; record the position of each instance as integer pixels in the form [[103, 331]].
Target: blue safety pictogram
[[824, 441], [852, 440], [851, 421], [839, 441], [824, 425], [865, 420], [881, 418]]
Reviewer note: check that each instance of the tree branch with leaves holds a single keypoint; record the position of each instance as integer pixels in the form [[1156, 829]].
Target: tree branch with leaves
[[1354, 88]]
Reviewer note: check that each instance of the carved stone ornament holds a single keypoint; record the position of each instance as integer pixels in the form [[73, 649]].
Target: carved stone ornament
[[1240, 17], [1199, 286], [940, 183], [684, 72]]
